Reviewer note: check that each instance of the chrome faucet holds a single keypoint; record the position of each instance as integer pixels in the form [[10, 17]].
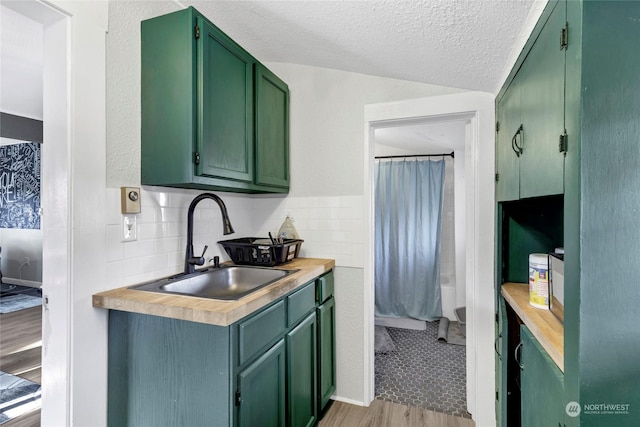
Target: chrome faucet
[[190, 261]]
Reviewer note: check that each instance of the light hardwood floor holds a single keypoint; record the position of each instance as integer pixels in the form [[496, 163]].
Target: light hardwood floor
[[387, 414], [21, 352]]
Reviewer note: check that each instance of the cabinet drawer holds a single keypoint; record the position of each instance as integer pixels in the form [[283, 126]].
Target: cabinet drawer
[[325, 287], [260, 330], [300, 303]]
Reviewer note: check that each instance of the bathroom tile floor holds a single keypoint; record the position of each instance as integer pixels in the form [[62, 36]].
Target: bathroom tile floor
[[423, 372]]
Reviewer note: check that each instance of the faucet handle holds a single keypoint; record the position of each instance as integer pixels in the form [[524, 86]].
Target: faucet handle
[[204, 250], [198, 260]]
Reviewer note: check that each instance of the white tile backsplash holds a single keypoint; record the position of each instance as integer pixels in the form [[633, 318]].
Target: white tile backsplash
[[331, 227]]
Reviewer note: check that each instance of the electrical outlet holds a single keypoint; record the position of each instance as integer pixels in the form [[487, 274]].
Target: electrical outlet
[[129, 228]]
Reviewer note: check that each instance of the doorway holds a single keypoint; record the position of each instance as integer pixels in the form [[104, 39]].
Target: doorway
[[21, 137], [54, 201], [418, 361], [477, 109]]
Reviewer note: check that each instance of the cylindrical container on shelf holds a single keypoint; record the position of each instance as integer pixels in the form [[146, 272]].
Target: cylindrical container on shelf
[[539, 281]]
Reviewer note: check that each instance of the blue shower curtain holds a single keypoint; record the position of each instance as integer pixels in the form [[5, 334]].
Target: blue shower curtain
[[408, 210]]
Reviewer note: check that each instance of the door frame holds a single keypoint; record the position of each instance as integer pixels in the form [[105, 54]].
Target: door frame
[[478, 109], [56, 264]]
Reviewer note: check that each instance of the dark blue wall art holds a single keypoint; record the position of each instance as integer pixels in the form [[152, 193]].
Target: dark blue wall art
[[20, 186]]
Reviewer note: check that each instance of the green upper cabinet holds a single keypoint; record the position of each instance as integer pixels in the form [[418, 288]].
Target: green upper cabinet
[[542, 101], [209, 110], [225, 109], [530, 111], [272, 129], [509, 121]]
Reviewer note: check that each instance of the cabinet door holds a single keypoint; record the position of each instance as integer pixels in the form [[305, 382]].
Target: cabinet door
[[166, 101], [501, 348], [225, 107], [301, 373], [261, 390], [542, 103], [326, 352], [507, 161], [542, 385], [272, 129]]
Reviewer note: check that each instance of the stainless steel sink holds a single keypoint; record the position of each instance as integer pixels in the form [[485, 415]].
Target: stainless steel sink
[[226, 283]]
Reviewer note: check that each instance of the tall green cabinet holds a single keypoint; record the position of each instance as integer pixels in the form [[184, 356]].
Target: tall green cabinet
[[529, 161], [213, 117], [575, 92]]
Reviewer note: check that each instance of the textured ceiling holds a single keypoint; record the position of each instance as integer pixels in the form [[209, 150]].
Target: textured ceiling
[[467, 44], [425, 138]]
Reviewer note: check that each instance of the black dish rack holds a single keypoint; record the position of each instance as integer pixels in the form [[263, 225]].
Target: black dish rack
[[261, 251]]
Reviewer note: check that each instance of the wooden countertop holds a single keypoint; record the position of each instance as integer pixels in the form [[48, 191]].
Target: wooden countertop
[[547, 329], [211, 311]]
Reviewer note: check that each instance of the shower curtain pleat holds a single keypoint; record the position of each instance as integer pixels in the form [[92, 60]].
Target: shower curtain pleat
[[408, 211]]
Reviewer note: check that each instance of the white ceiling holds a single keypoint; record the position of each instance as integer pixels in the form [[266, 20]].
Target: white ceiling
[[424, 138], [467, 44]]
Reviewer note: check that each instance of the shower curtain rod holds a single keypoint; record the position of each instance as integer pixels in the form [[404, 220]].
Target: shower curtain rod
[[417, 155]]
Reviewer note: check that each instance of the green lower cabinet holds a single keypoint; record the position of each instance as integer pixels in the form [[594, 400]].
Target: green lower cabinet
[[502, 353], [261, 390], [267, 369], [326, 314], [301, 373], [167, 372], [541, 384]]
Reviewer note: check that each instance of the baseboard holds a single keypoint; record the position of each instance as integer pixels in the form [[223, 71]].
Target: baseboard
[[30, 283], [349, 401], [401, 322]]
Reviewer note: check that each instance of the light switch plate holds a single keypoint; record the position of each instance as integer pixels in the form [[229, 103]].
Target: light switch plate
[[130, 200], [129, 228]]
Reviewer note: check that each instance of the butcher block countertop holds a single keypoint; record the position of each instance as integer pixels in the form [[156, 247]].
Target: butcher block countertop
[[212, 311], [547, 329]]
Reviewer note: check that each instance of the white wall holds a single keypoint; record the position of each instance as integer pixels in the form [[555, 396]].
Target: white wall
[[123, 87], [21, 51], [21, 256], [327, 163], [327, 111]]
